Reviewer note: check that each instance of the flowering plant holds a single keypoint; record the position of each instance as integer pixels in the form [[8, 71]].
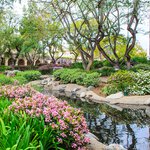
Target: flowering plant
[[68, 124], [16, 91]]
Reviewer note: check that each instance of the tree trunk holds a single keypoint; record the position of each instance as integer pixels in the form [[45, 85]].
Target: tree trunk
[[128, 62], [89, 65]]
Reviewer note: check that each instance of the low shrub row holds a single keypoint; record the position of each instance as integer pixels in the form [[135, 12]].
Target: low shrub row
[[20, 77], [35, 121], [132, 83], [30, 75], [77, 76]]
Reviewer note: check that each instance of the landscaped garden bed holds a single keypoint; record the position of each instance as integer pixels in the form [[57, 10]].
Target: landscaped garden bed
[[30, 119]]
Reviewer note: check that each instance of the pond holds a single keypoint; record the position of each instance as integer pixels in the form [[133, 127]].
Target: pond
[[128, 127]]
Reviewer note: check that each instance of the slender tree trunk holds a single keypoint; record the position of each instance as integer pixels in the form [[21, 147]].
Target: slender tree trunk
[[89, 64]]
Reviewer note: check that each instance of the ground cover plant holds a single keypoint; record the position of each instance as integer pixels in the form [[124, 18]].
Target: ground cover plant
[[129, 82], [36, 121], [77, 76], [30, 75]]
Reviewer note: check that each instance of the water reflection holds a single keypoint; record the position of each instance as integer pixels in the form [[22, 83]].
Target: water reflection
[[128, 127]]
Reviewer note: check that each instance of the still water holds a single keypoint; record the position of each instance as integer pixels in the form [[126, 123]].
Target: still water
[[128, 127]]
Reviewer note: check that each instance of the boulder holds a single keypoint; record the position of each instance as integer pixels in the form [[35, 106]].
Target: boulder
[[115, 147], [148, 111], [11, 73], [44, 77], [90, 95], [90, 88], [82, 95], [132, 100], [115, 96]]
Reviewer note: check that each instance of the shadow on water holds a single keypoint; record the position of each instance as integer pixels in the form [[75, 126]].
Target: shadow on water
[[128, 127]]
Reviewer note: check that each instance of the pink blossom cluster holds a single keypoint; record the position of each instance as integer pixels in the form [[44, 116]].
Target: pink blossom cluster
[[68, 122], [16, 91]]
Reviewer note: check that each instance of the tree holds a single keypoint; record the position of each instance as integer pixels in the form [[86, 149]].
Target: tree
[[98, 20]]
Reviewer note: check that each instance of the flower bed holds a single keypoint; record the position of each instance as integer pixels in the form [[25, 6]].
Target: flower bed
[[66, 124]]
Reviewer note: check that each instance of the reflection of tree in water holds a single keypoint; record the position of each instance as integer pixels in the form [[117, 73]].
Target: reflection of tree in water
[[109, 124]]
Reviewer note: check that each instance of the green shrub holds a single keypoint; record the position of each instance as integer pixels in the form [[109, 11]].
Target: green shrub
[[3, 68], [122, 79], [5, 80], [141, 84], [77, 76], [97, 64], [77, 65], [141, 67], [21, 80], [106, 71], [107, 63], [110, 89], [30, 75], [138, 59], [91, 79]]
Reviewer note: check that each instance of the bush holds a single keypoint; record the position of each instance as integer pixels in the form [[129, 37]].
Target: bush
[[10, 91], [77, 76], [107, 63], [21, 80], [91, 79], [106, 71], [137, 60], [5, 80], [97, 64], [4, 68], [110, 89], [76, 65], [30, 75], [141, 85], [141, 67], [122, 79]]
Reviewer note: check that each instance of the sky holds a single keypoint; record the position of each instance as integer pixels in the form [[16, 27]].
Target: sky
[[142, 39]]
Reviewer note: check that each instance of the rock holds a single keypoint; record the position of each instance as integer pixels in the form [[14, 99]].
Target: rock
[[115, 147], [90, 88], [44, 82], [148, 111], [132, 100], [75, 89], [83, 94], [90, 95], [91, 135], [115, 96], [96, 145], [11, 73], [44, 77], [83, 100]]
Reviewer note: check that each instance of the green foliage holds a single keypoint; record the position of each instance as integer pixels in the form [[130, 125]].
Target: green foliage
[[141, 67], [30, 75], [5, 80], [141, 84], [106, 71], [106, 63], [3, 68], [110, 89], [77, 76], [77, 65], [97, 64], [139, 59], [21, 80], [91, 79], [121, 79]]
